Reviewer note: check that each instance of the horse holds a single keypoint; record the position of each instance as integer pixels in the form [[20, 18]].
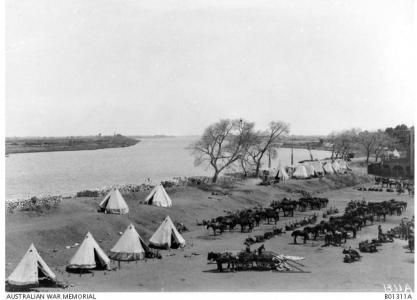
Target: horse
[[328, 238], [287, 209], [381, 212], [216, 226], [246, 222], [301, 233], [222, 258], [269, 214], [315, 230]]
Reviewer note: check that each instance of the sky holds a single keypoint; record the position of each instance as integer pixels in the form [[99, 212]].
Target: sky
[[85, 67]]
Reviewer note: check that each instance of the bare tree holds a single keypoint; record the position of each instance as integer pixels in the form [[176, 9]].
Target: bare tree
[[267, 142], [368, 141], [344, 142], [223, 143]]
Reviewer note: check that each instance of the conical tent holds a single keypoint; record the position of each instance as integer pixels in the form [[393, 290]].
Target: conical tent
[[336, 167], [114, 203], [290, 170], [30, 269], [89, 255], [328, 168], [310, 170], [130, 246], [342, 165], [167, 236], [158, 197], [282, 174], [300, 172], [318, 168]]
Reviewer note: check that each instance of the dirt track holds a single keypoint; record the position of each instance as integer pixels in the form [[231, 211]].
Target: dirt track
[[179, 270]]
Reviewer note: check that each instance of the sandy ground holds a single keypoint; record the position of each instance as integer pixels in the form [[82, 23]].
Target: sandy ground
[[181, 271]]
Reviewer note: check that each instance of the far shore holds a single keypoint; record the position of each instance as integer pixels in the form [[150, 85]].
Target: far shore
[[53, 144]]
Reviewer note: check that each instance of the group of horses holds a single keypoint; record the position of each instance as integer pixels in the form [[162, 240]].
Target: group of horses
[[247, 219], [288, 206], [301, 223], [400, 185], [380, 189], [330, 211], [357, 215]]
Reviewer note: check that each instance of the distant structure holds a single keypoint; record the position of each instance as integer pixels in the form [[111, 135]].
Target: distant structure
[[402, 167]]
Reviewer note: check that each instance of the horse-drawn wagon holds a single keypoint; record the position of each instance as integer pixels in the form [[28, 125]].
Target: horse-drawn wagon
[[248, 260]]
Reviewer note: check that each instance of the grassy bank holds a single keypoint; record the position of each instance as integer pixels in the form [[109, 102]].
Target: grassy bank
[[66, 223], [27, 145], [56, 230]]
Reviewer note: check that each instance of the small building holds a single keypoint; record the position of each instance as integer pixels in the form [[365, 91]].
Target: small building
[[396, 166]]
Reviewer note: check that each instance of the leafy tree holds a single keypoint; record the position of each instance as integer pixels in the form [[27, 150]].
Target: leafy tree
[[344, 142], [400, 135], [383, 141]]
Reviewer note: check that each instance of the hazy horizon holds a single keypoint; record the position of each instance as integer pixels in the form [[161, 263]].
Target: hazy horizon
[[158, 135], [79, 68]]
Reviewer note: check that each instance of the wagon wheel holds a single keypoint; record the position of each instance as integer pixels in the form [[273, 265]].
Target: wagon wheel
[[247, 265], [263, 265], [243, 265], [239, 265]]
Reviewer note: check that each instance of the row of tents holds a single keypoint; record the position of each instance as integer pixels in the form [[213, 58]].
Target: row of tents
[[114, 203], [90, 255], [312, 169]]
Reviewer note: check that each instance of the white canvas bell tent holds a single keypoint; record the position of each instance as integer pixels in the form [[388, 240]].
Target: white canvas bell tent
[[310, 170], [346, 165], [328, 168], [130, 246], [167, 236], [114, 203], [282, 174], [336, 167], [300, 172], [89, 255], [318, 168], [158, 197], [30, 270], [290, 169]]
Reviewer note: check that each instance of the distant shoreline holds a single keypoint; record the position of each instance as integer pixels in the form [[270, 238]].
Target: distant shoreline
[[32, 145]]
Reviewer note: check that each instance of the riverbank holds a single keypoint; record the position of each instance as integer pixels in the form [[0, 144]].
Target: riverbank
[[179, 270], [52, 144]]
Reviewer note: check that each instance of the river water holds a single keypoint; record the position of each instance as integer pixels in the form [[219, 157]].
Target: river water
[[67, 172]]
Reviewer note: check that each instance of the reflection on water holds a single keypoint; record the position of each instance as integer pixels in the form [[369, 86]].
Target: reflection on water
[[65, 173]]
